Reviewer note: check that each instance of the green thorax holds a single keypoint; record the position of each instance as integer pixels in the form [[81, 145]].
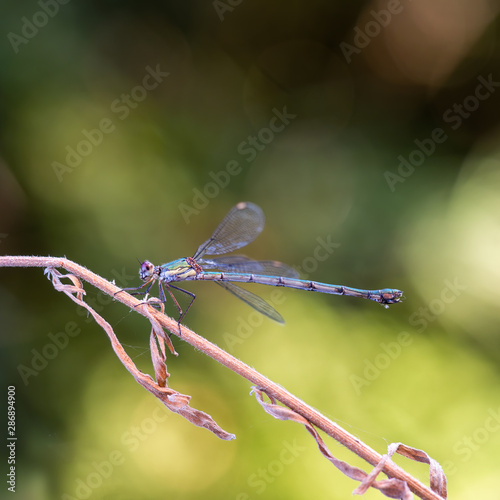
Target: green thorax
[[177, 270]]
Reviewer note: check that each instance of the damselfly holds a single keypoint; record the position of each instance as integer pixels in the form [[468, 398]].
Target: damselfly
[[242, 225]]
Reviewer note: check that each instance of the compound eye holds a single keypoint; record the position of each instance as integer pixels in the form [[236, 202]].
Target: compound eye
[[146, 270]]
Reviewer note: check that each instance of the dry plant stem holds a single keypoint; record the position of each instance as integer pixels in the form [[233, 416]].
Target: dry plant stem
[[279, 393]]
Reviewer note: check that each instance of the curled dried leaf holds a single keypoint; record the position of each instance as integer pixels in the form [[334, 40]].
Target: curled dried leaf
[[158, 358], [173, 400], [55, 276], [437, 477], [392, 488]]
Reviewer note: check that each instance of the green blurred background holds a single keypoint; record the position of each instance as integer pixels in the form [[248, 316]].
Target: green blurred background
[[389, 158]]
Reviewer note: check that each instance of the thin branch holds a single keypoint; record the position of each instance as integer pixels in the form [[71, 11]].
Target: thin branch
[[273, 390]]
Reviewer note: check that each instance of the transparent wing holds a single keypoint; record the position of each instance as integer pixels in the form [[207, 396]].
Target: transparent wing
[[252, 300], [242, 264], [240, 226]]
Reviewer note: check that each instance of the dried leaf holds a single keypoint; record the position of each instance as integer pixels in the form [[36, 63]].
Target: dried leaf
[[173, 400], [158, 359], [159, 331], [397, 490], [392, 488], [437, 477]]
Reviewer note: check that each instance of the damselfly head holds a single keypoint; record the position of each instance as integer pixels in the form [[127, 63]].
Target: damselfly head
[[146, 271]]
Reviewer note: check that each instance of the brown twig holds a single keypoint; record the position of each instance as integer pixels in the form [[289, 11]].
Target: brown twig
[[264, 385]]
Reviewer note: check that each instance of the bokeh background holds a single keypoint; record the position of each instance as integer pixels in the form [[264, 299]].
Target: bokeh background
[[368, 132]]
